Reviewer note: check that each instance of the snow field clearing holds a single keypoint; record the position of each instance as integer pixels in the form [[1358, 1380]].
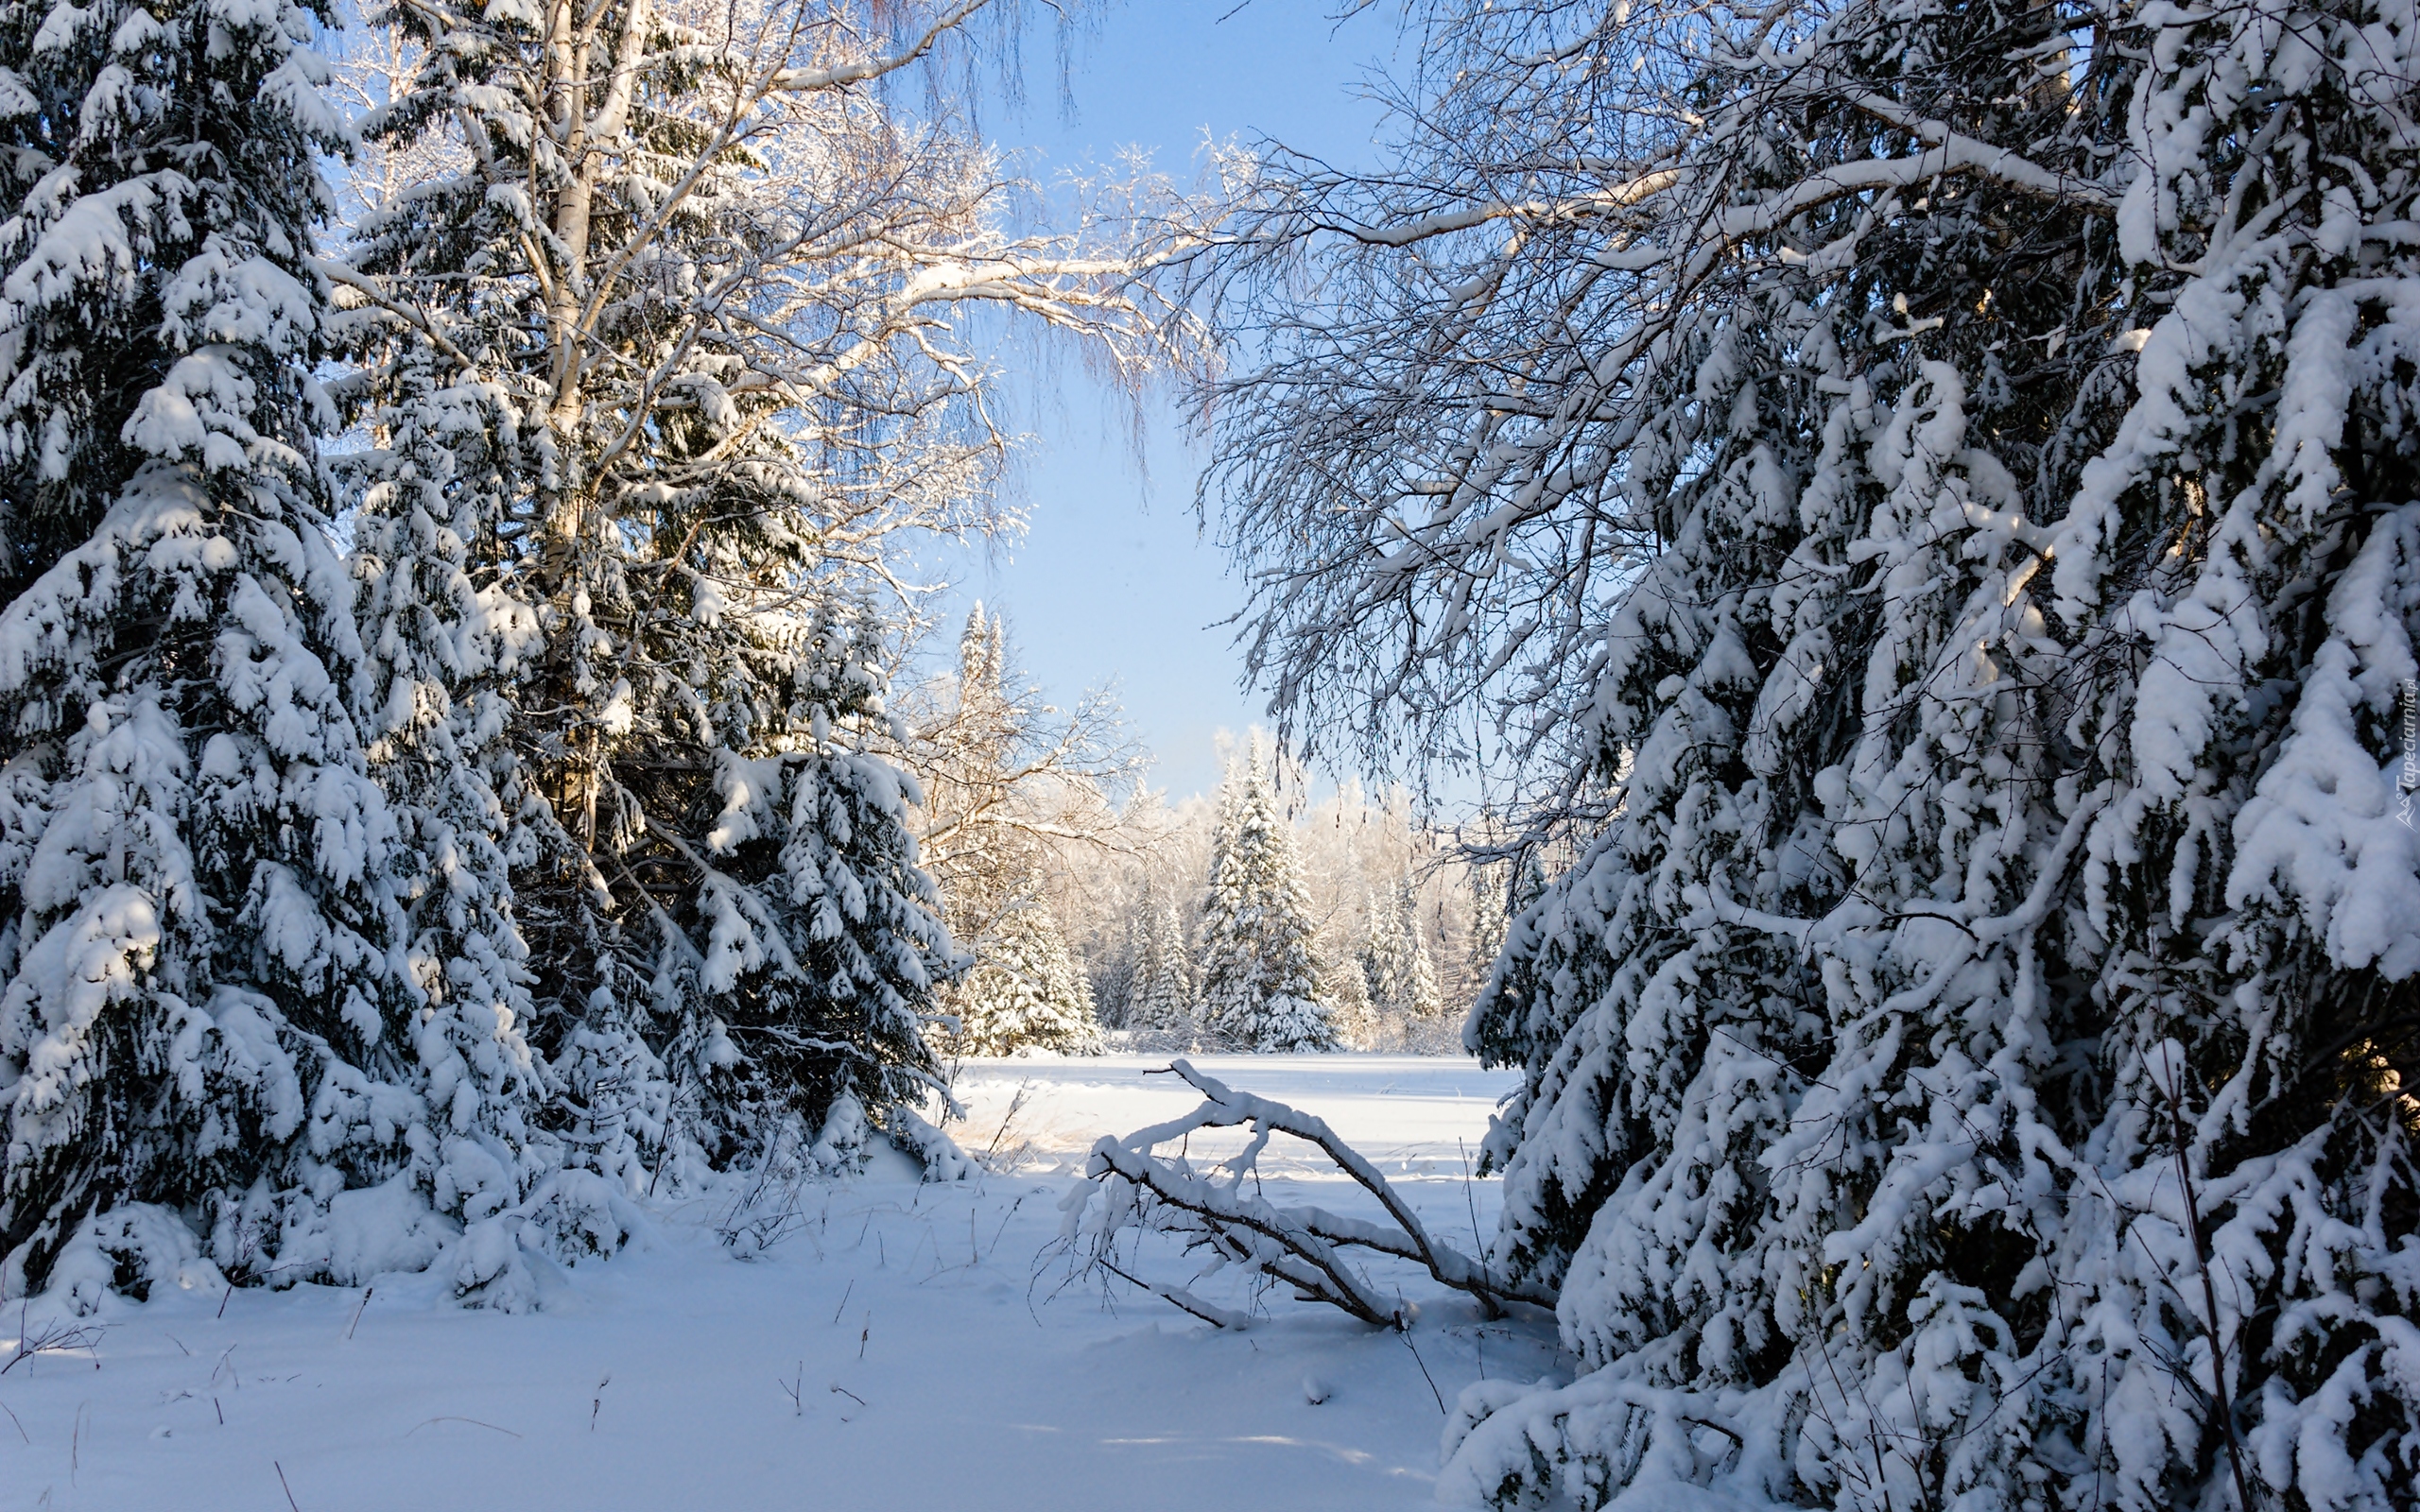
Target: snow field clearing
[[893, 1345]]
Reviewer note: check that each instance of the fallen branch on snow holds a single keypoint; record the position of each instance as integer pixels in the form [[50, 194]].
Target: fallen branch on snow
[[1303, 1246]]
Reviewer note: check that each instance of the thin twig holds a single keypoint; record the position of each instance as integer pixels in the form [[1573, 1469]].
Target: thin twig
[[1004, 1224], [473, 1422], [56, 1336], [1177, 1297], [1406, 1336]]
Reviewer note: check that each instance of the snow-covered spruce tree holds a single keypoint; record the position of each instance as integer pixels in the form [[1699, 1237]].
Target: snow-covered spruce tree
[[1952, 485], [701, 283], [1009, 782], [205, 1041], [823, 942], [1358, 1022], [441, 645], [1164, 1000], [1025, 992], [1491, 918], [1420, 1001], [126, 160], [1143, 961], [1400, 976], [1258, 987], [1382, 948]]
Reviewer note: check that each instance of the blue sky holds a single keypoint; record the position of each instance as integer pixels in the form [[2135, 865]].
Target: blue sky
[[1113, 582]]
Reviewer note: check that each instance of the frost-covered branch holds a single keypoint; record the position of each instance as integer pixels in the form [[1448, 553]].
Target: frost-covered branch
[[1303, 1246], [1451, 438]]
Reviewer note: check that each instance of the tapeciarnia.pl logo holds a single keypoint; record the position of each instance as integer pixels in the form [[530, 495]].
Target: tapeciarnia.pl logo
[[2409, 782]]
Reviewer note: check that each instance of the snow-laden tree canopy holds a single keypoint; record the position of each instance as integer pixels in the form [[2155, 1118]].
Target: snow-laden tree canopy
[[691, 289], [1931, 490]]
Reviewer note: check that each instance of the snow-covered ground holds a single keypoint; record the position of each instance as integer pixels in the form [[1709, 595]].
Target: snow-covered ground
[[939, 1352]]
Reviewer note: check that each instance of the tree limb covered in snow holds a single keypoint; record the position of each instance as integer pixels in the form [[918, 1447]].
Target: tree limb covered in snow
[[1302, 1247]]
